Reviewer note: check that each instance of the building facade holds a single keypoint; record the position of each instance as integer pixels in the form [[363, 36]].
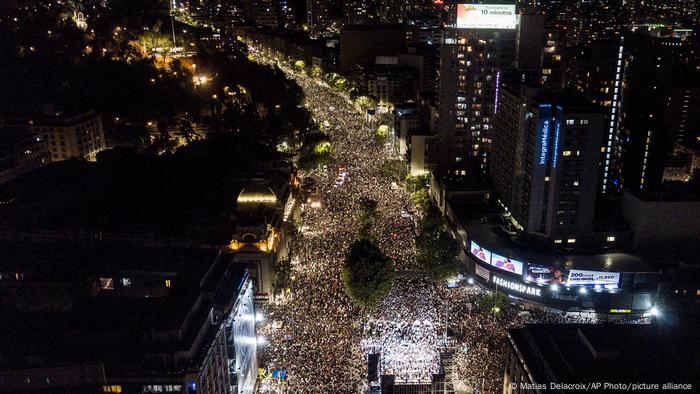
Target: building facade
[[470, 59], [545, 161]]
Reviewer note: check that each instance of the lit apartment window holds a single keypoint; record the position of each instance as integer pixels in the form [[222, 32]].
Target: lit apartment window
[[126, 282], [566, 153], [168, 283], [115, 388], [584, 121], [557, 241], [107, 283], [611, 238], [575, 183], [571, 241], [570, 121]]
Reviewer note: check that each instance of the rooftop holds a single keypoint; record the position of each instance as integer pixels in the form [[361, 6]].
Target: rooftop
[[483, 224], [113, 326], [607, 353]]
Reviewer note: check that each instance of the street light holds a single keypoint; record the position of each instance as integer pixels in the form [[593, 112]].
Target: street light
[[654, 311]]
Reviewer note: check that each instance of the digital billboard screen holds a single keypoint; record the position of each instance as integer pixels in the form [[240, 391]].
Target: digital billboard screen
[[546, 274], [486, 16], [480, 253], [507, 264], [609, 280]]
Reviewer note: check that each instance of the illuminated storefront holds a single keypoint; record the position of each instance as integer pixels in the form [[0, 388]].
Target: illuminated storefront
[[563, 288]]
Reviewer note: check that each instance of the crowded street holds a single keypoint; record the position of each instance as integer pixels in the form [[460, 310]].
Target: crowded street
[[318, 336]]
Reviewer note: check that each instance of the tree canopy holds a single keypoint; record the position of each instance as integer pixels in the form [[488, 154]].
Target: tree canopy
[[494, 304], [437, 248], [367, 274]]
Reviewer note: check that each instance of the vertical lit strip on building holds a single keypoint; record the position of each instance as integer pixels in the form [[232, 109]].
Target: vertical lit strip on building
[[557, 128], [646, 157], [614, 110], [498, 88]]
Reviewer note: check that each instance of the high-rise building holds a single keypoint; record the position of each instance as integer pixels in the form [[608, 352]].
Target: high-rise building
[[318, 16], [359, 12], [545, 160], [472, 53], [656, 69], [266, 13], [361, 44], [598, 74], [642, 81]]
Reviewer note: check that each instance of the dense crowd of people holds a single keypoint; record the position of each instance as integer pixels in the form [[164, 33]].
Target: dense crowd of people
[[315, 332], [405, 331], [321, 337]]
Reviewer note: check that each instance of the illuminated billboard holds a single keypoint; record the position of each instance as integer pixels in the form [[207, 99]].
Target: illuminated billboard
[[486, 16], [507, 264], [609, 280], [546, 274], [480, 253]]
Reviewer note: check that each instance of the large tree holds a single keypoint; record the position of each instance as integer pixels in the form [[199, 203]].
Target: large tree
[[437, 248], [367, 274]]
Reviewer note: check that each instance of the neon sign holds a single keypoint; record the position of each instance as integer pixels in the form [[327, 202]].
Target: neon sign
[[519, 287], [544, 139], [556, 144]]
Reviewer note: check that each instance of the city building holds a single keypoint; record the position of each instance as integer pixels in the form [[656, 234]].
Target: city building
[[118, 200], [66, 136], [473, 50], [359, 12], [122, 319], [20, 153], [266, 13], [666, 235], [545, 358], [362, 44], [598, 73], [645, 85], [318, 17], [388, 83], [414, 140], [609, 284], [544, 165]]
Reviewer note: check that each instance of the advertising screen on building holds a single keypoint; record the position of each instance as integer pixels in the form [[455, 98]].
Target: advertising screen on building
[[609, 280], [480, 253], [486, 16], [546, 274], [507, 264]]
